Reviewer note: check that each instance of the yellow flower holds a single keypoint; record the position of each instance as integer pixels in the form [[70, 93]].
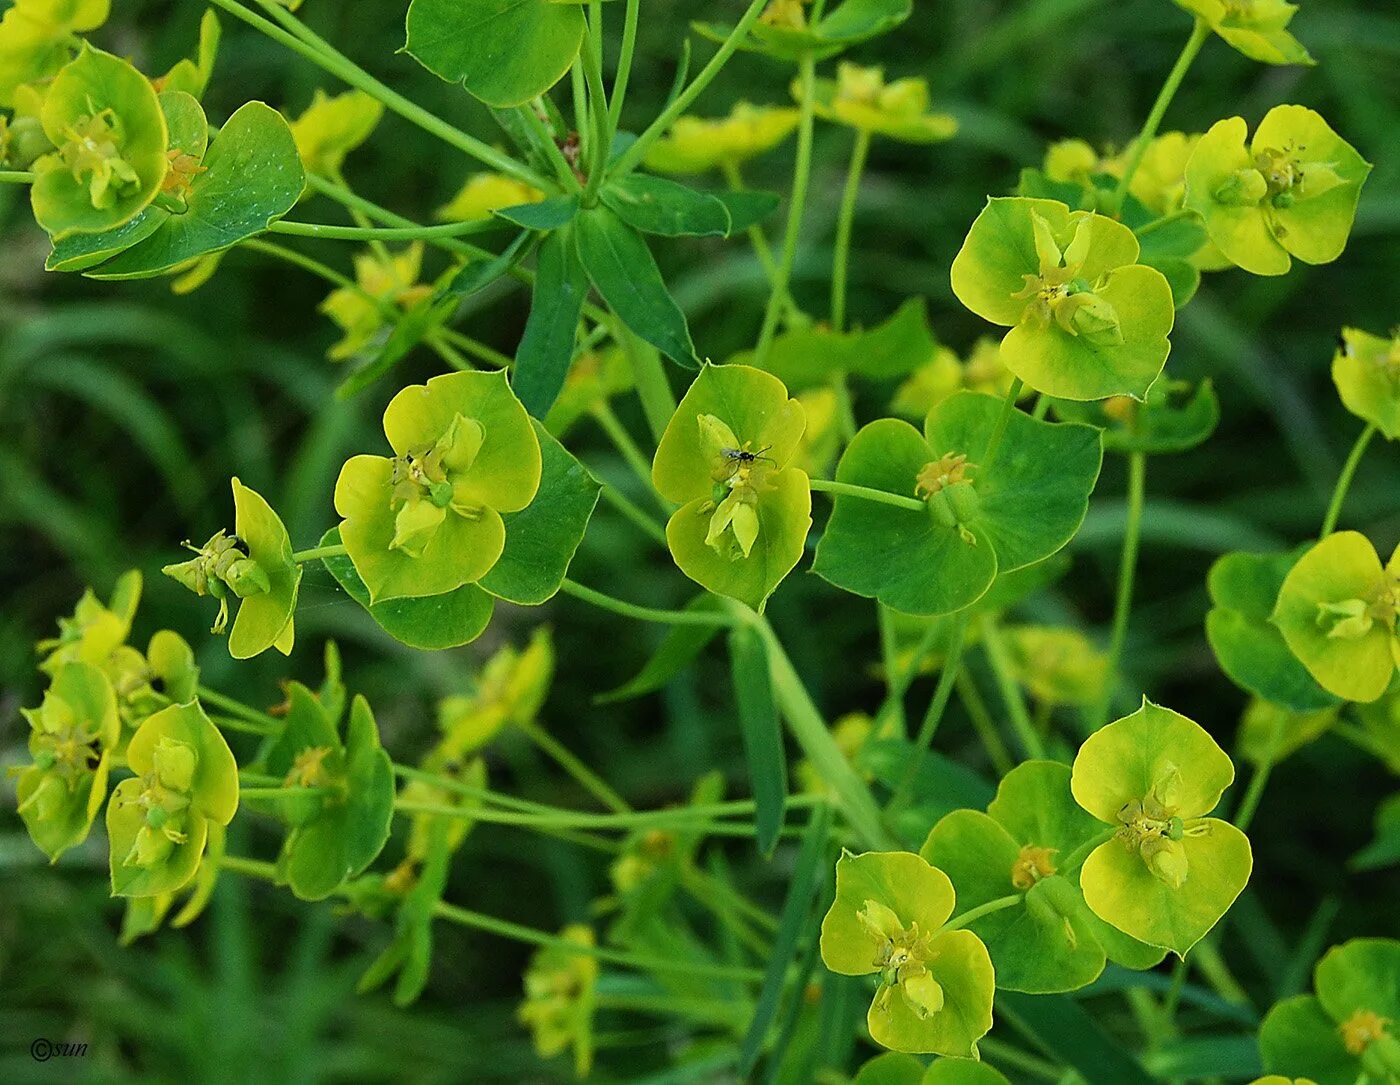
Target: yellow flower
[[697, 144], [860, 98], [483, 193], [332, 127], [944, 374], [358, 310]]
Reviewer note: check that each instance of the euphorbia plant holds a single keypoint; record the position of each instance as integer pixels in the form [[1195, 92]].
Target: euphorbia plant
[[1065, 845]]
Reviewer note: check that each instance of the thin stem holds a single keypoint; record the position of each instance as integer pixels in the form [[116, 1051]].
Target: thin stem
[[814, 737], [1250, 803], [649, 375], [258, 779], [1199, 33], [1003, 419], [845, 225], [972, 915], [624, 64], [633, 156], [1339, 495], [622, 440], [545, 141], [801, 176], [715, 1011], [235, 723], [938, 704], [320, 53], [1015, 703], [866, 493], [487, 355], [698, 818], [306, 263], [1127, 572], [998, 1051], [280, 792], [1077, 857], [641, 613], [992, 741], [317, 553], [644, 962], [381, 233], [597, 103], [1042, 407], [238, 708], [633, 512], [762, 251], [567, 760], [16, 177], [252, 868]]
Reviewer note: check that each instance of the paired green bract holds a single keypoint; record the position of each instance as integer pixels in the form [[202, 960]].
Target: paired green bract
[[1337, 611], [724, 458], [935, 986], [1291, 192], [340, 825], [1257, 28], [985, 513], [1366, 371], [1050, 941], [1169, 872], [1345, 1032], [429, 520], [1087, 320], [158, 823]]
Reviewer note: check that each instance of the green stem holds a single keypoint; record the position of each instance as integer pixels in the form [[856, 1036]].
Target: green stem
[[1003, 419], [689, 819], [642, 520], [258, 779], [763, 252], [938, 704], [238, 708], [998, 1051], [317, 553], [1339, 495], [649, 375], [641, 613], [306, 263], [1015, 703], [1127, 572], [624, 64], [633, 156], [845, 225], [16, 177], [972, 915], [1250, 803], [251, 868], [381, 233], [597, 102], [1199, 33], [236, 723], [814, 737], [320, 53], [647, 963], [866, 493], [567, 760], [713, 1011], [548, 146], [982, 723], [1077, 857], [483, 353], [622, 440], [280, 792], [801, 176]]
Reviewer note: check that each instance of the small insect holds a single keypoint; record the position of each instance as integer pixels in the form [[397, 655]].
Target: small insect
[[738, 457]]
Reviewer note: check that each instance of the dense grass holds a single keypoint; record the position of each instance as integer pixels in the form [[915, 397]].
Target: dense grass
[[124, 410]]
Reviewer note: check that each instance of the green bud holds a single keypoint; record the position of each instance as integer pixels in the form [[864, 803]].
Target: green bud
[[1243, 188]]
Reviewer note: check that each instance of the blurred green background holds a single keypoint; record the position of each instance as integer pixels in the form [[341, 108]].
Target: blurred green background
[[125, 409]]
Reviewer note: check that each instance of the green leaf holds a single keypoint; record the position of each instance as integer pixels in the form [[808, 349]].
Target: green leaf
[[547, 348], [504, 52], [1173, 418], [747, 207], [114, 105], [761, 731], [252, 177], [621, 266], [542, 537], [430, 623], [852, 22], [1299, 1038], [891, 1068], [811, 356], [656, 205], [678, 648], [486, 270], [1362, 372], [1249, 648], [548, 214], [1384, 850], [793, 922]]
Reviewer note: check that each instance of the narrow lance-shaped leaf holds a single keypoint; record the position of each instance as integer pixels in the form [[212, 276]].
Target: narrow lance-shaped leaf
[[763, 736], [656, 205], [547, 348], [622, 268]]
